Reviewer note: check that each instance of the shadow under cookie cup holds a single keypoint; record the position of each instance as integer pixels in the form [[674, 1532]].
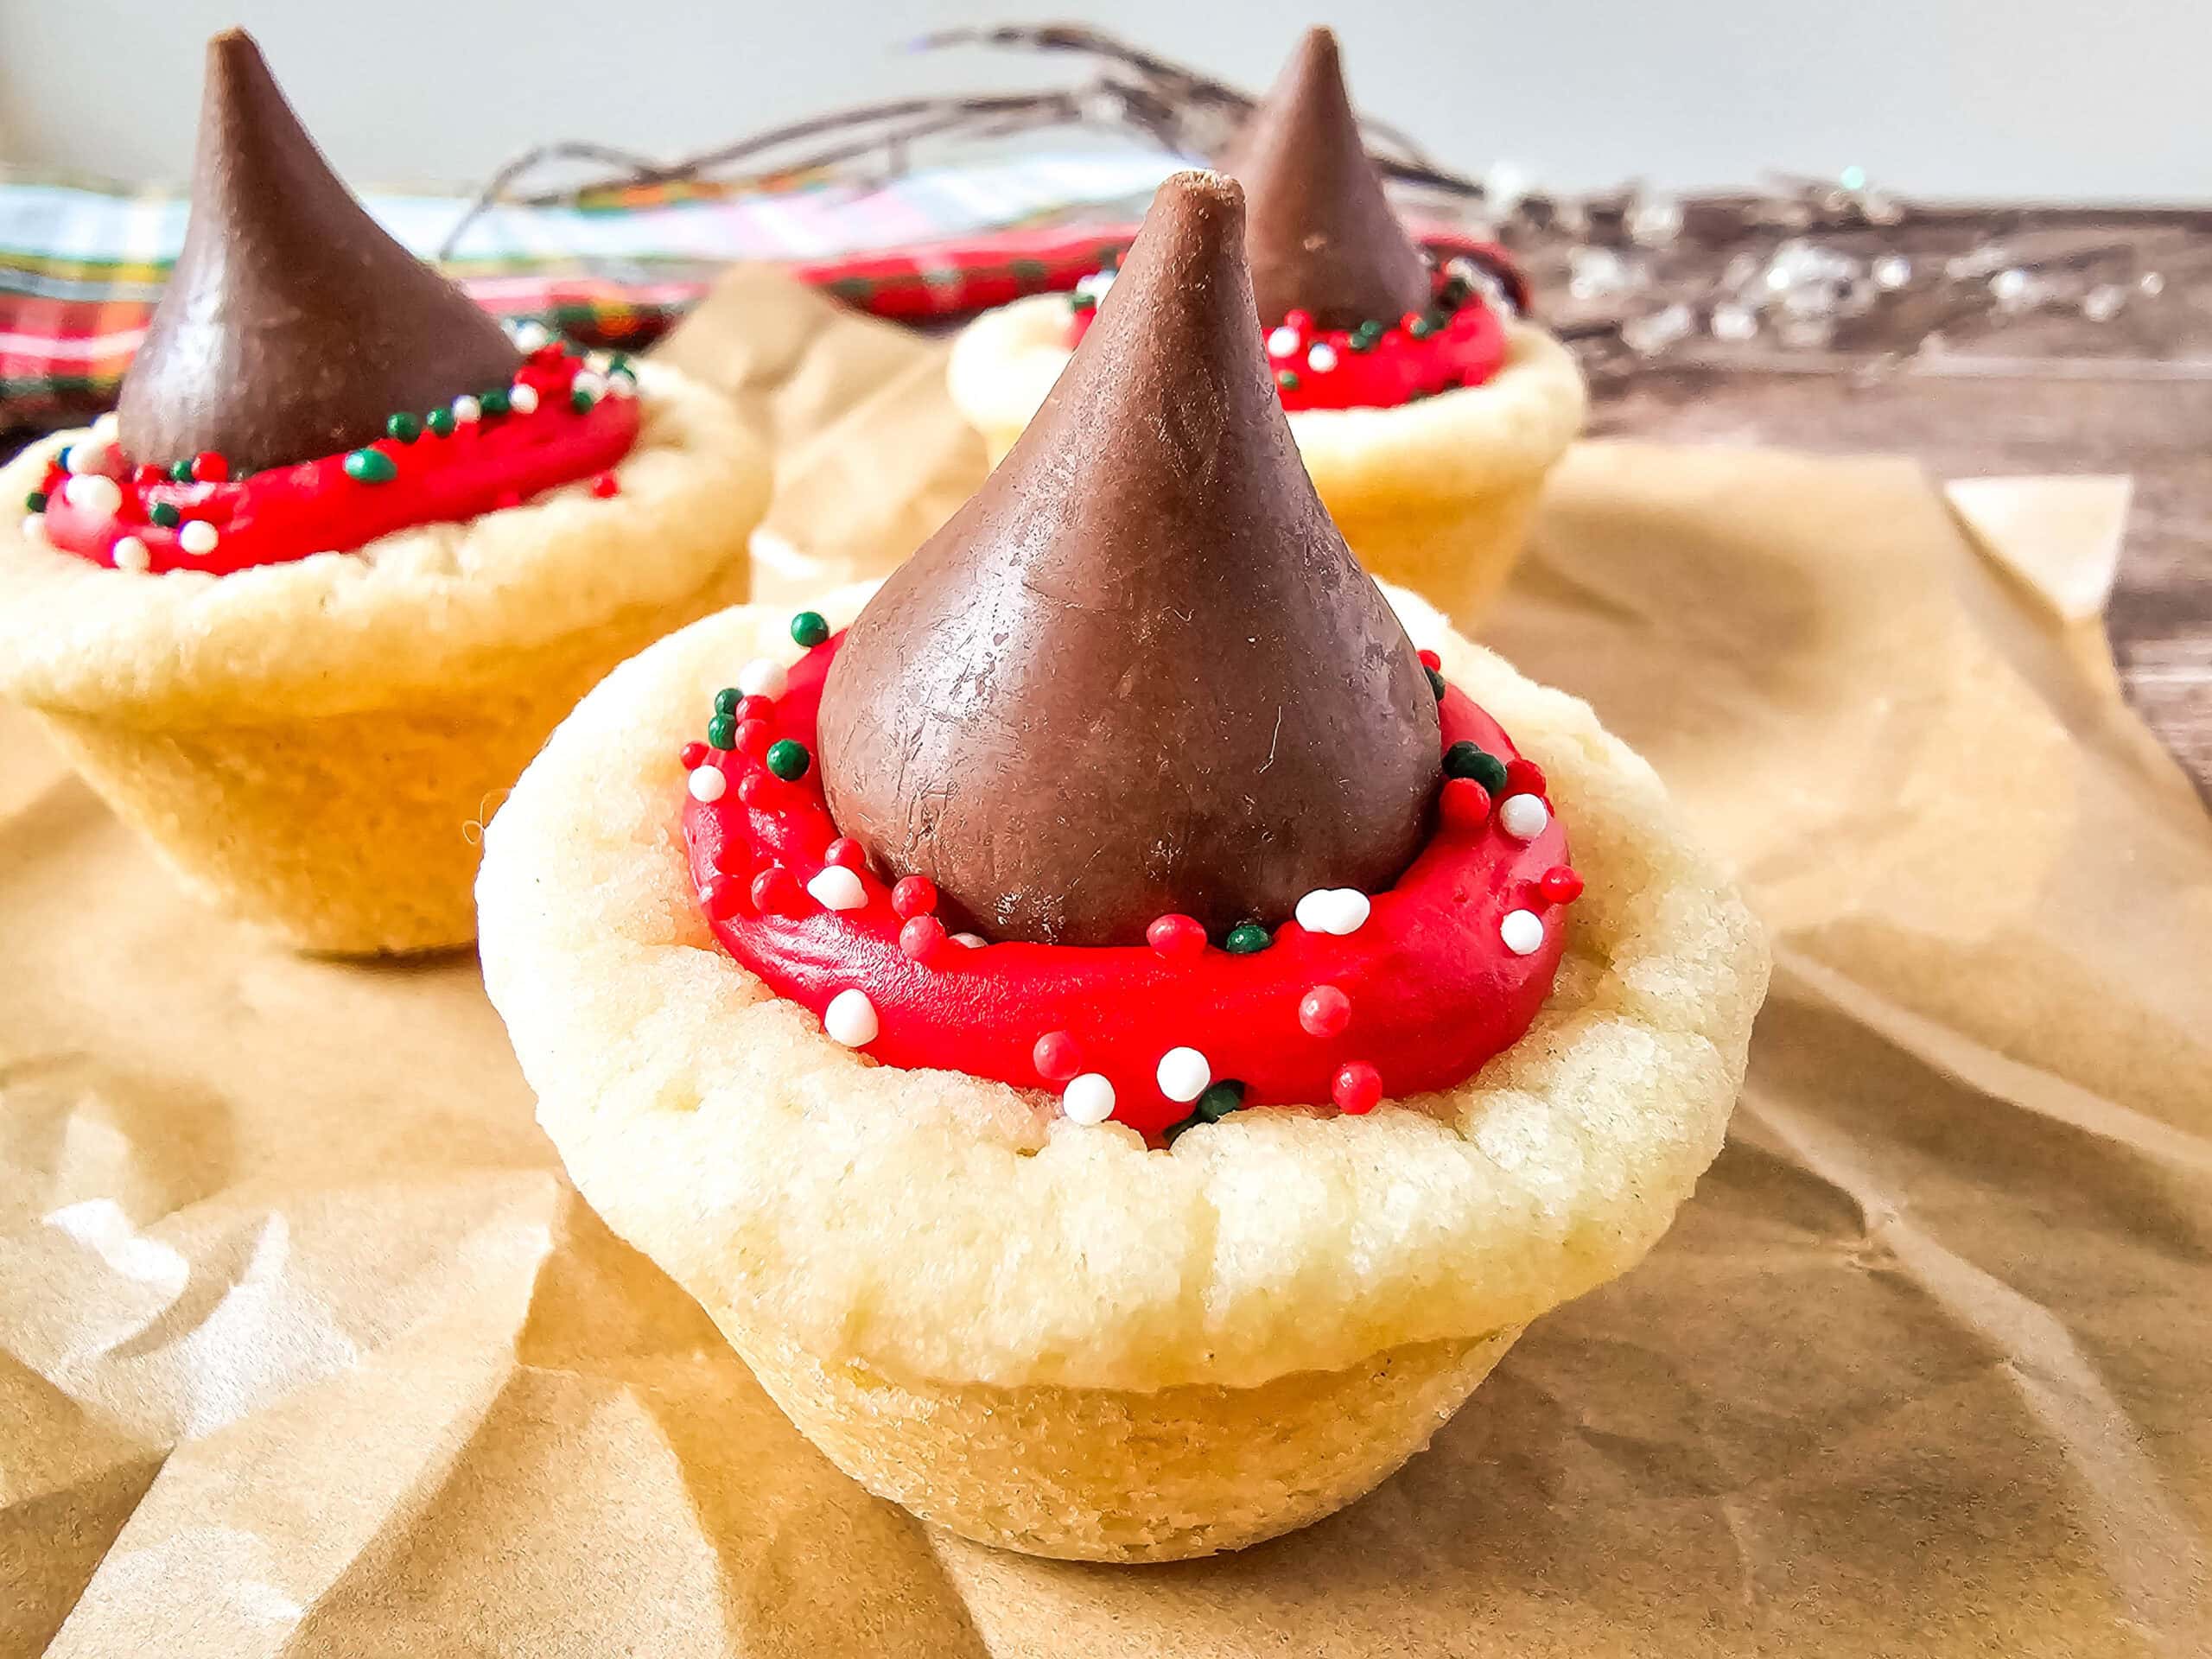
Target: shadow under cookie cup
[[313, 745], [1046, 1336], [1436, 496]]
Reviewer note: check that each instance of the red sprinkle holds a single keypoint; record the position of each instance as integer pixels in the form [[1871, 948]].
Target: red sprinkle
[[1058, 1055], [605, 485], [735, 857], [722, 896], [146, 473], [755, 787], [1178, 937], [755, 706], [849, 854], [753, 737], [1523, 778], [1560, 884], [1301, 321], [1467, 804], [1324, 1011], [921, 937], [208, 468], [914, 895], [1358, 1088], [776, 891], [692, 755], [1430, 660]]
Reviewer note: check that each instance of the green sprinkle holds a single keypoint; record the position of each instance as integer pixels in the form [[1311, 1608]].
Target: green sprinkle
[[1220, 1099], [1465, 760], [809, 628], [1029, 270], [789, 761], [181, 471], [726, 699], [581, 400], [1362, 342], [618, 364], [1421, 328], [721, 733], [493, 402], [167, 515], [441, 421], [403, 426], [36, 501], [1083, 301], [1435, 681], [1287, 379], [1247, 938], [370, 466]]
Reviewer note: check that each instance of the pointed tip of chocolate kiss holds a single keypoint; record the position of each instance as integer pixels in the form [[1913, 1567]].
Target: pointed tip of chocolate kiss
[[1139, 672], [1322, 236], [292, 326]]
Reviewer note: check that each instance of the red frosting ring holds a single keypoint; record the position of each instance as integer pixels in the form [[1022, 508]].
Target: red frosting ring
[[1431, 988]]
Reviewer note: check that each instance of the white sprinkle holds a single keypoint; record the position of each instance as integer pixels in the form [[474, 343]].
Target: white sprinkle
[[531, 336], [105, 428], [1523, 817], [93, 492], [522, 397], [973, 941], [762, 677], [1097, 285], [1087, 1099], [93, 455], [1333, 910], [622, 383], [836, 888], [1184, 1074], [850, 1018], [1322, 358], [467, 409], [35, 528], [131, 554], [198, 537], [1283, 342], [708, 782], [1522, 931], [592, 386]]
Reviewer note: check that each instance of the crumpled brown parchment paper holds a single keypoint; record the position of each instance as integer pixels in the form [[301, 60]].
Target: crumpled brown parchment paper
[[307, 1347]]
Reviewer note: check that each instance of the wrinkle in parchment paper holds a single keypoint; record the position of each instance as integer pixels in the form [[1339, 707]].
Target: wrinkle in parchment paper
[[308, 1348]]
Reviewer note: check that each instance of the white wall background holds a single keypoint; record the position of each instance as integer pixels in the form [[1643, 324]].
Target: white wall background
[[2050, 99]]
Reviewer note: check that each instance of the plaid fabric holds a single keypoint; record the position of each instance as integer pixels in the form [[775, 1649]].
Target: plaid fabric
[[81, 266]]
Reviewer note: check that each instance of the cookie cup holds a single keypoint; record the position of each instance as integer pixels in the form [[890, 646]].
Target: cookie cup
[[1435, 496], [313, 746], [1043, 1336]]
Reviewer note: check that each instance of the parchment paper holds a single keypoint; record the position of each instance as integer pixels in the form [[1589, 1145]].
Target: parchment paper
[[308, 1348]]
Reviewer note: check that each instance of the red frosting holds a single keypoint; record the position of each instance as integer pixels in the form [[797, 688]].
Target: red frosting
[[289, 512], [1415, 999]]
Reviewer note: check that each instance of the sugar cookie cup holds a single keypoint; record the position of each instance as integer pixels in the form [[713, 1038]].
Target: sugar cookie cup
[[1043, 1336], [312, 746], [1435, 495]]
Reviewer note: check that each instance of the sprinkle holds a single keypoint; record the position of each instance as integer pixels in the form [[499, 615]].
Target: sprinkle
[[493, 402], [1287, 379], [1283, 342], [1177, 938], [721, 733], [1523, 778], [522, 397], [762, 677], [850, 1019], [34, 527], [181, 471], [1057, 1056], [835, 887], [1467, 804], [467, 411], [1430, 660], [1333, 910], [592, 384], [1560, 884], [721, 897], [726, 702], [1522, 931], [166, 514], [93, 492], [130, 553], [530, 335], [1435, 682], [920, 938], [620, 383], [775, 892], [735, 857], [106, 427], [754, 787], [1523, 817], [754, 708], [36, 501], [708, 782], [914, 895], [89, 457], [789, 761], [848, 853], [1467, 761], [370, 467], [1219, 1099], [692, 755], [1247, 938], [580, 398], [402, 427], [441, 422], [973, 941], [1324, 1011], [809, 628], [1184, 1074], [198, 537], [1356, 1089], [1087, 1099], [1321, 358]]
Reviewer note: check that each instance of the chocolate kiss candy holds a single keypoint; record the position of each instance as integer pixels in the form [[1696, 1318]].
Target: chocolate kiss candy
[[292, 326], [1138, 672], [1322, 236]]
